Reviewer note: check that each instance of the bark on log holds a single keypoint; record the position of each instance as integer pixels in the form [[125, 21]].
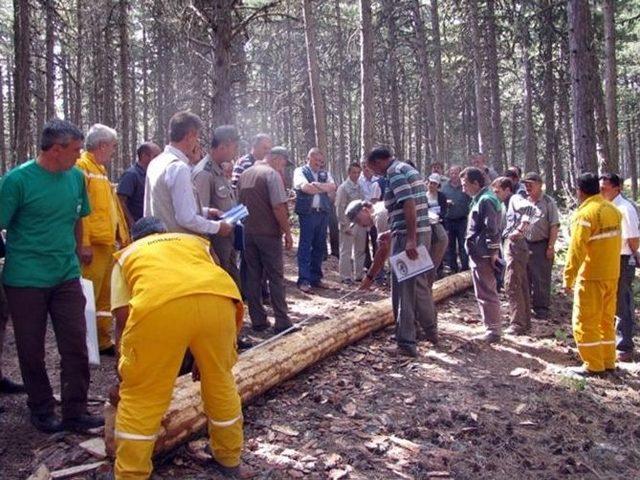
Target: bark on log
[[262, 368]]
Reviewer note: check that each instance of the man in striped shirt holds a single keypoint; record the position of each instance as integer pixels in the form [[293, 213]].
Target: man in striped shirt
[[406, 201], [259, 148]]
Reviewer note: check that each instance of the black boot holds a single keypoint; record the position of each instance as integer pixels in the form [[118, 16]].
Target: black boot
[[46, 423], [83, 422], [11, 387]]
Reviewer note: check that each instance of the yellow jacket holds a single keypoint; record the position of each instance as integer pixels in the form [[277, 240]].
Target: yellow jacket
[[594, 251], [159, 268], [106, 219]]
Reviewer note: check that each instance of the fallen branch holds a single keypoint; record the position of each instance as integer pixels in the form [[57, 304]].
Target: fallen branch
[[260, 369]]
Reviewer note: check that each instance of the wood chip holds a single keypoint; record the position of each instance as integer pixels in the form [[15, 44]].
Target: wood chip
[[520, 408], [519, 372], [42, 473], [285, 430], [70, 472], [95, 446]]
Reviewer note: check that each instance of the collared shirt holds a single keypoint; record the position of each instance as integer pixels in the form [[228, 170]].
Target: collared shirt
[[171, 167], [405, 183], [131, 185], [214, 190], [547, 216], [346, 193], [299, 181], [520, 211], [370, 188], [457, 201], [240, 166], [380, 217], [629, 222]]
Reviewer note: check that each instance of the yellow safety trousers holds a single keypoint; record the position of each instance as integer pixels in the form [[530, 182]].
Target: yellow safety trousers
[[152, 350], [99, 272], [594, 309]]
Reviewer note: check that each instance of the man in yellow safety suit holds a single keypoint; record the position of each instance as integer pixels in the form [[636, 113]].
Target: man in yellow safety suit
[[592, 274], [105, 226], [168, 295]]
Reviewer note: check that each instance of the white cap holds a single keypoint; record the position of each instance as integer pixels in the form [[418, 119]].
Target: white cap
[[435, 178]]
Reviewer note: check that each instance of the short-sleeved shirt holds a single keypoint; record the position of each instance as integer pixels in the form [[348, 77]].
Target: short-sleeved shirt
[[629, 222], [380, 217], [131, 185], [242, 164], [546, 217], [261, 188], [40, 210], [405, 183]]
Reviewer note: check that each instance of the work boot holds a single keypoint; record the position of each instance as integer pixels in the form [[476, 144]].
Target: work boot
[[244, 343], [430, 336], [260, 328], [46, 423], [83, 422], [624, 356], [304, 287], [10, 387], [488, 338], [288, 328], [109, 351]]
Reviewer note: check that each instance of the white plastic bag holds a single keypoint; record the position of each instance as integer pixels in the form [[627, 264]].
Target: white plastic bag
[[90, 318]]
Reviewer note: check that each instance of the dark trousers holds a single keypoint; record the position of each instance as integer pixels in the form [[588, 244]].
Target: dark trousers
[[312, 246], [456, 229], [371, 246], [65, 304], [263, 256], [539, 272], [625, 310], [412, 299], [516, 254], [334, 233]]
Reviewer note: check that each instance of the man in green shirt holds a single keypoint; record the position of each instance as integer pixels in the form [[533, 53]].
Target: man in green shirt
[[41, 202]]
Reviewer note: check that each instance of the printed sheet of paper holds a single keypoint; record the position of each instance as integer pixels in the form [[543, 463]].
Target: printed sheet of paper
[[236, 214], [405, 268]]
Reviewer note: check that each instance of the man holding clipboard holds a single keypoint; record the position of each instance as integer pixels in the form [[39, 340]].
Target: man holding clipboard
[[408, 232]]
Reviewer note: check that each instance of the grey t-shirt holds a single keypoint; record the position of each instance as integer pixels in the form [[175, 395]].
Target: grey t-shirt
[[546, 217]]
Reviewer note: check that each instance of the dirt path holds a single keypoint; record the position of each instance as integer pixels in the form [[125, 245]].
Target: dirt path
[[459, 410]]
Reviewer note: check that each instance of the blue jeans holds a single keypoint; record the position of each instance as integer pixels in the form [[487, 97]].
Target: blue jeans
[[312, 246], [456, 229]]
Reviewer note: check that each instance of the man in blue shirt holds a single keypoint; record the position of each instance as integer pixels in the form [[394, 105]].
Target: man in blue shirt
[[131, 185]]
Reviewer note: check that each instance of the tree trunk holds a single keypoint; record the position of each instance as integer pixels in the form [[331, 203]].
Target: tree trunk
[[497, 134], [530, 158], [482, 109], [21, 82], [426, 90], [145, 86], [3, 146], [441, 154], [317, 101], [367, 116], [125, 83], [341, 86], [548, 95], [50, 73], [264, 367], [581, 67], [633, 161], [392, 68], [602, 130], [514, 135], [610, 81], [77, 105]]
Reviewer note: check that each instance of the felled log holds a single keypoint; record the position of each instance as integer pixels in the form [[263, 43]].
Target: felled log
[[262, 368]]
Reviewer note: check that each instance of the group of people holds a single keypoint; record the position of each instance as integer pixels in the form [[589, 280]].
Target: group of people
[[171, 270]]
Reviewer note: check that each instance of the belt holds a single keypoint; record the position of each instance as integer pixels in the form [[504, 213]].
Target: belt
[[545, 240]]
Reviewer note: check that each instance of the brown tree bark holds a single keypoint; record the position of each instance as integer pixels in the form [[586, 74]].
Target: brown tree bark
[[21, 80], [145, 86], [367, 93], [50, 73], [610, 81], [582, 80], [125, 83], [497, 133], [392, 78], [77, 104], [482, 108], [631, 152], [3, 145], [344, 155], [317, 101], [441, 153], [548, 95], [530, 155]]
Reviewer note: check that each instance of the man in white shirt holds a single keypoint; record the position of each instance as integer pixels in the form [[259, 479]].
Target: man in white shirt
[[169, 193], [610, 188], [370, 185], [312, 185]]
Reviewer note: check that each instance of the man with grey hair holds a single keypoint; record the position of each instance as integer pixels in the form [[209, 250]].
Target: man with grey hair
[[260, 146], [168, 192], [104, 229], [261, 189], [214, 191]]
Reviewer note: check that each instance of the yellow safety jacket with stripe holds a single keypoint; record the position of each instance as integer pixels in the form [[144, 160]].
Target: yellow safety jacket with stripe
[[106, 221], [594, 250], [163, 267]]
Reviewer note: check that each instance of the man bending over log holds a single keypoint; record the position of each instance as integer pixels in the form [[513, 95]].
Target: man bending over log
[[161, 309]]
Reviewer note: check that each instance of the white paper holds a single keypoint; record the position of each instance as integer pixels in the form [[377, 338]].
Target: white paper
[[93, 350], [405, 268], [236, 214]]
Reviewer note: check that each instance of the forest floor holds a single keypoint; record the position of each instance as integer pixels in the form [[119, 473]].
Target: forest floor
[[460, 410]]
